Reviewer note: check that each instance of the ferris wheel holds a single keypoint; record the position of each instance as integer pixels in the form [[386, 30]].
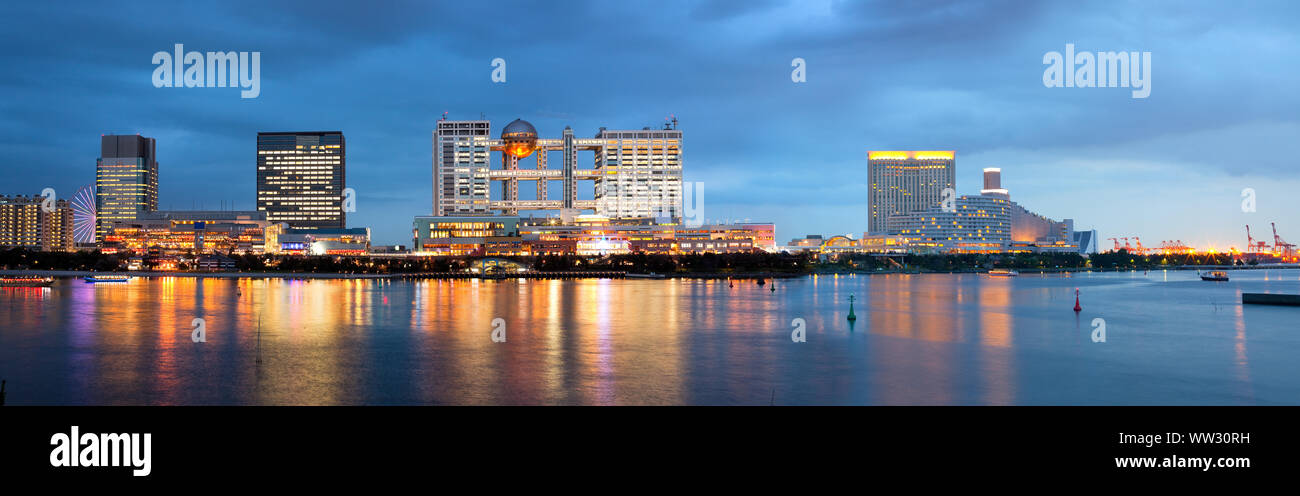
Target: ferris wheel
[[83, 214]]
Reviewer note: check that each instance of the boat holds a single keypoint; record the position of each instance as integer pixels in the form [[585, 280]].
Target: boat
[[1216, 275], [107, 278], [26, 282], [650, 275], [1003, 273]]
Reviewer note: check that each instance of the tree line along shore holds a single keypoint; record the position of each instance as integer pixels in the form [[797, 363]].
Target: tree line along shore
[[705, 264]]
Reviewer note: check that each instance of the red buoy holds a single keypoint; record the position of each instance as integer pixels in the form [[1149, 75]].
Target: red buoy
[[1076, 301]]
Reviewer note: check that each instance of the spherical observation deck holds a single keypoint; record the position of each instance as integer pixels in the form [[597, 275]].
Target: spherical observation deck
[[520, 138]]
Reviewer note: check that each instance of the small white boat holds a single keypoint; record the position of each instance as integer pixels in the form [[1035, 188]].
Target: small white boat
[[1003, 273], [1217, 275]]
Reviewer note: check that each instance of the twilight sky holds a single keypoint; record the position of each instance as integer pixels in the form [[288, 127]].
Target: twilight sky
[[965, 76]]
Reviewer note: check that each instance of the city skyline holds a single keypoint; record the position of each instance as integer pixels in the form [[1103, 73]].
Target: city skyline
[[796, 157]]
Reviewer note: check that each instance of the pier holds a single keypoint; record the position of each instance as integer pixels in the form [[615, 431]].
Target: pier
[[1270, 299]]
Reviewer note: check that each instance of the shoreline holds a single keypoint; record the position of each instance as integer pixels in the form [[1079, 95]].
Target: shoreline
[[413, 275], [1061, 270], [585, 274]]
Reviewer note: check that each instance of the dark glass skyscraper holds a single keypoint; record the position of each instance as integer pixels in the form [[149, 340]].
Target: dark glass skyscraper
[[126, 180], [301, 177]]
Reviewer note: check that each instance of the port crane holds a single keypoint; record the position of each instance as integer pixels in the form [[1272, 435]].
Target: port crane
[[1129, 246], [1280, 247], [1175, 247], [1253, 246]]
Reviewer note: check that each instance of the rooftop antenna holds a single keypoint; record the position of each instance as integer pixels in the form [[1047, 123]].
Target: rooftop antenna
[[444, 116]]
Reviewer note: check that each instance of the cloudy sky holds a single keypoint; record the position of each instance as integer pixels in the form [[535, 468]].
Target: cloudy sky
[[964, 76]]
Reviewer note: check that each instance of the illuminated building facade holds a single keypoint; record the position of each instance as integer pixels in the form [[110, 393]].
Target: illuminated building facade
[[126, 180], [585, 235], [642, 173], [24, 224], [635, 173], [462, 235], [976, 224], [173, 232], [301, 177], [763, 235], [903, 182], [350, 242], [460, 167], [989, 222]]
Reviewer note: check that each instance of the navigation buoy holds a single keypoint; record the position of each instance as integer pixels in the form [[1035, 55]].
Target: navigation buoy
[[851, 315], [1077, 308]]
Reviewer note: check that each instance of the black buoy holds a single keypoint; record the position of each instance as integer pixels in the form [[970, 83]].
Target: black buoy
[[761, 282]]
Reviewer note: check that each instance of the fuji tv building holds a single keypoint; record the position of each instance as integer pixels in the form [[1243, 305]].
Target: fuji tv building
[[636, 173], [636, 206]]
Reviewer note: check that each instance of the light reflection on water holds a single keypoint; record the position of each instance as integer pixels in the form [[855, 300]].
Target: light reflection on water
[[919, 339]]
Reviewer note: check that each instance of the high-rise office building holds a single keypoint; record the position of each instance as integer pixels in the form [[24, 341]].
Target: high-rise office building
[[24, 224], [301, 177], [635, 174], [126, 180], [460, 167], [903, 182], [642, 173]]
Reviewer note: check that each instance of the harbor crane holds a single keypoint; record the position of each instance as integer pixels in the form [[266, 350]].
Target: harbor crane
[[1280, 247], [1253, 246]]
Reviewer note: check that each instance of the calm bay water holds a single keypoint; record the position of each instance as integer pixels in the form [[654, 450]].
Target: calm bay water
[[919, 339]]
